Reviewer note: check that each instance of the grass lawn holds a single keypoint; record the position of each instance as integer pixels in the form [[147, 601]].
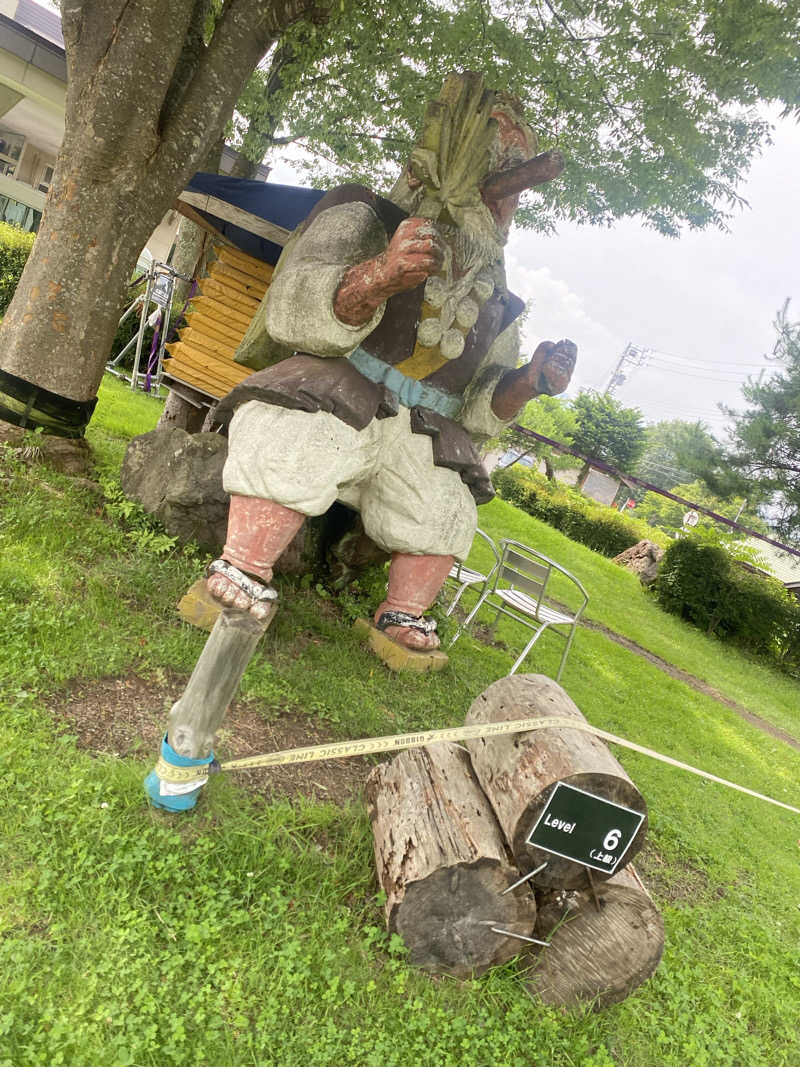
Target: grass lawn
[[251, 932]]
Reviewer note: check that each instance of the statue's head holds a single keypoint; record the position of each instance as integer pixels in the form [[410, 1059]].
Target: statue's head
[[475, 156]]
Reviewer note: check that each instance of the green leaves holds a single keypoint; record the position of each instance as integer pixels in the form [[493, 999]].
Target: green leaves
[[607, 431], [765, 450], [651, 103]]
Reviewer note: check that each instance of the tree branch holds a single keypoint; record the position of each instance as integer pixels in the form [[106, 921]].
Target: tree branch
[[241, 36]]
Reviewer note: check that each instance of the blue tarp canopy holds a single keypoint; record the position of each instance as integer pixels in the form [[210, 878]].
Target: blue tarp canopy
[[257, 217]]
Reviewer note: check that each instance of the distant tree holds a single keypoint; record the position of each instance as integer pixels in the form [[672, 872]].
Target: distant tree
[[765, 441], [550, 416], [607, 431], [668, 514], [674, 451]]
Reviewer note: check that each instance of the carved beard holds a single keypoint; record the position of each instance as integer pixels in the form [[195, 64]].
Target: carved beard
[[477, 242]]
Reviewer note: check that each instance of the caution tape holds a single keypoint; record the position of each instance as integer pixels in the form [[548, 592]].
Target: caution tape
[[396, 742]]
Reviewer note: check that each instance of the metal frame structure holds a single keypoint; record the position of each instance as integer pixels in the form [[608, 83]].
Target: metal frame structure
[[158, 294], [465, 577], [519, 586]]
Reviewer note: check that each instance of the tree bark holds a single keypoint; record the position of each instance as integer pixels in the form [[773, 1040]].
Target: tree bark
[[600, 950], [518, 772], [146, 97], [443, 865]]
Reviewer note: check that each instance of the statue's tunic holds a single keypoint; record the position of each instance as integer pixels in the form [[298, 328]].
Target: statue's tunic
[[344, 396]]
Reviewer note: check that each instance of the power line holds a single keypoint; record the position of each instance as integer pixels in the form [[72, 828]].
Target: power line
[[706, 377], [699, 359]]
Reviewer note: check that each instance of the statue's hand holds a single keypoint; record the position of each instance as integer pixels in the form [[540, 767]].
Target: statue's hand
[[414, 253], [551, 367]]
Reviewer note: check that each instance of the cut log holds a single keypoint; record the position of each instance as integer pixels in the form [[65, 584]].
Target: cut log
[[518, 772], [443, 864], [600, 951]]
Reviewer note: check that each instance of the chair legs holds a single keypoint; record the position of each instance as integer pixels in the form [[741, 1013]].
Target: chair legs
[[527, 649], [520, 659], [469, 618], [566, 651], [455, 600]]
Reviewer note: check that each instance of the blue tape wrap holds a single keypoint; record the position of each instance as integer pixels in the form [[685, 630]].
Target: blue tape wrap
[[152, 783]]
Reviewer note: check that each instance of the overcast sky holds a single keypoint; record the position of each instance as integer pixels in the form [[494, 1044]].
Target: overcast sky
[[704, 303]]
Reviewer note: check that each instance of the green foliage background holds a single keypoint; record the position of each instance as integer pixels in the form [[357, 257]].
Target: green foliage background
[[600, 528], [702, 584], [608, 431], [15, 247], [652, 104]]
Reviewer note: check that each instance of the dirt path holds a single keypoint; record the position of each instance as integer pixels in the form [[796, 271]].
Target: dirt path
[[695, 683], [126, 717]]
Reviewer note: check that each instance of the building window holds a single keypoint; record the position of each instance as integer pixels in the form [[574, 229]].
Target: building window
[[11, 145], [43, 185], [16, 214]]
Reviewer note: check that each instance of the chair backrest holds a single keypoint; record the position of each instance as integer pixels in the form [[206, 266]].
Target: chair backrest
[[495, 550], [523, 570], [530, 571]]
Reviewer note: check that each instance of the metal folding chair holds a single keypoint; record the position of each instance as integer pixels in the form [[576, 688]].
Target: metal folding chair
[[464, 577], [519, 589]]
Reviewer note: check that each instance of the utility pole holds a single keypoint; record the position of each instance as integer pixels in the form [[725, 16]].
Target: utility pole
[[632, 356]]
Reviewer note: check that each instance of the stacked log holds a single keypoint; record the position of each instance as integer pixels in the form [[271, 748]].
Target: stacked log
[[230, 294], [602, 945], [443, 865], [450, 834], [518, 772]]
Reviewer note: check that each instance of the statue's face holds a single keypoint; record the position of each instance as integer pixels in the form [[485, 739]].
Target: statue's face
[[513, 149]]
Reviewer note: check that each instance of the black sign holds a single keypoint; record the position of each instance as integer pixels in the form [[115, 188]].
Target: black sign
[[584, 828]]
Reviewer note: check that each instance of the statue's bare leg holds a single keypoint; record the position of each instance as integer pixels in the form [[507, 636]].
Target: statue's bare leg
[[258, 532], [414, 582]]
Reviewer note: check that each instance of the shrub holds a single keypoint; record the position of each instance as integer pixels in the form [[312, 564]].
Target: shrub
[[703, 585], [15, 247], [599, 528]]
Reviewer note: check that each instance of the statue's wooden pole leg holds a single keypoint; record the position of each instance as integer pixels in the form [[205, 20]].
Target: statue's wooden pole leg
[[196, 717]]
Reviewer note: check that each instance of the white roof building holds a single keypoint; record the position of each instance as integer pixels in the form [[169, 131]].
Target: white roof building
[[782, 565]]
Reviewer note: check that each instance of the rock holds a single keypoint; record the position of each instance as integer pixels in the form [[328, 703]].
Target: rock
[[67, 455], [177, 477], [643, 559]]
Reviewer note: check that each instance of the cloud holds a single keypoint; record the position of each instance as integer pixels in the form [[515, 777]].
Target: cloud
[[557, 311]]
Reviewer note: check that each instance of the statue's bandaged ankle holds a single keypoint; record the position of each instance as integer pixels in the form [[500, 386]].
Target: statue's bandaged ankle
[[176, 780]]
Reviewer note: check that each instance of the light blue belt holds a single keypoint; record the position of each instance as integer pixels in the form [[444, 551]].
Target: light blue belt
[[409, 392]]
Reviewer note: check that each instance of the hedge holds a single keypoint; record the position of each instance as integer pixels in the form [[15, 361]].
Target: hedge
[[15, 247], [600, 528], [704, 586]]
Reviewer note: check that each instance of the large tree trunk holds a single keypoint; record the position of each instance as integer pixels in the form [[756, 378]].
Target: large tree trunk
[[146, 97], [443, 865], [518, 771], [601, 946]]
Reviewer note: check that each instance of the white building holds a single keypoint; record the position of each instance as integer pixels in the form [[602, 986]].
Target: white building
[[33, 83]]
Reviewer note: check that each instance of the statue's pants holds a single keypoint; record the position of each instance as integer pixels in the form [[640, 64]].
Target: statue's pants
[[305, 461]]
